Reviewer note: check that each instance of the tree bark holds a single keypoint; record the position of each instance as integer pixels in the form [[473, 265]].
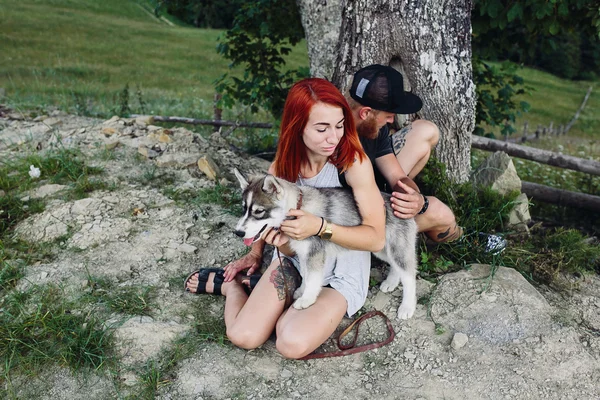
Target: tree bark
[[541, 156], [321, 20], [428, 41]]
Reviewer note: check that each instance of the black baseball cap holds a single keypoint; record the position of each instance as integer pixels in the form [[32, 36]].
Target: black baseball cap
[[382, 88]]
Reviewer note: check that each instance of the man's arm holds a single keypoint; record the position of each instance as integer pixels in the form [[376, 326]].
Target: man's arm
[[406, 198]]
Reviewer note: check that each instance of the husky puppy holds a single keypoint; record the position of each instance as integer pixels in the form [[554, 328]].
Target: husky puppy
[[266, 201]]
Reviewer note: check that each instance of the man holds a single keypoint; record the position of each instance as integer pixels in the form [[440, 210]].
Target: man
[[376, 95]]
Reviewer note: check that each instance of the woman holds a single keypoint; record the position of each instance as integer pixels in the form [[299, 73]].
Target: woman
[[317, 140]]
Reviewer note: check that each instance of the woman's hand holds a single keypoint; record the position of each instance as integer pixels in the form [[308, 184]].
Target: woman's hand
[[275, 237], [250, 261], [303, 226]]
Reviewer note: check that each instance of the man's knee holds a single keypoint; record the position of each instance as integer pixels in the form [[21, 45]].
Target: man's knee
[[426, 130]]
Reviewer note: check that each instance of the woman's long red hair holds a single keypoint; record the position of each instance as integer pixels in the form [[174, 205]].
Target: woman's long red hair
[[291, 150]]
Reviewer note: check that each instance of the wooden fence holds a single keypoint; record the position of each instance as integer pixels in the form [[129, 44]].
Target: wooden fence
[[550, 129]]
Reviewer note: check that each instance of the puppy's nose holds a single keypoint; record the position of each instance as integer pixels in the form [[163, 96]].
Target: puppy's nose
[[240, 233]]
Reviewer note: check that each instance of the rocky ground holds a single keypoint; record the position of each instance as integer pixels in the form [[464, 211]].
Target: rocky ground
[[481, 333]]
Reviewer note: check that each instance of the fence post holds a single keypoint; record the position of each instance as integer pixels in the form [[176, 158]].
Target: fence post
[[524, 138], [550, 130], [538, 131]]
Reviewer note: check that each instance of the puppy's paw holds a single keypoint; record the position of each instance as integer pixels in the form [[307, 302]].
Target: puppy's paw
[[298, 292], [406, 311], [303, 302], [388, 285]]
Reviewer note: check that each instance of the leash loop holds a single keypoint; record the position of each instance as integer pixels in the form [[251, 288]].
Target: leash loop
[[345, 350]]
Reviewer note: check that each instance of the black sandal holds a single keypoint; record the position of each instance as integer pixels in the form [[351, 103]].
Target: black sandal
[[203, 274], [218, 280]]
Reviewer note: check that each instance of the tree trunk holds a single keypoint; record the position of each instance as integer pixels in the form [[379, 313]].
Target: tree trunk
[[321, 20], [428, 41]]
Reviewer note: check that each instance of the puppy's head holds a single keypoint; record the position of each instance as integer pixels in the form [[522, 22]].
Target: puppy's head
[[262, 206]]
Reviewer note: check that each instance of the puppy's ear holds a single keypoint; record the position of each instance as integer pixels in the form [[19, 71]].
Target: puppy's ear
[[243, 182], [272, 186]]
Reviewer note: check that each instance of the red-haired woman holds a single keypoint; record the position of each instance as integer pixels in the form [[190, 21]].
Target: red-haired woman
[[317, 140]]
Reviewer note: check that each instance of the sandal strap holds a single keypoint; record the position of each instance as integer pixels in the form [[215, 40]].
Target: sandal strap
[[203, 275]]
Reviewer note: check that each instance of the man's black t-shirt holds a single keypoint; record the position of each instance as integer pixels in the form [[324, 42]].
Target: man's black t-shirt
[[375, 148]]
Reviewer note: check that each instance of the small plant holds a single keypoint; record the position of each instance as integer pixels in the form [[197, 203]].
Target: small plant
[[432, 264], [140, 99], [122, 108], [81, 105]]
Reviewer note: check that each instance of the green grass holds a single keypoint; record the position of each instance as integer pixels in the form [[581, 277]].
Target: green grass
[[60, 166], [556, 100], [39, 327], [129, 300], [81, 54], [158, 372], [228, 197]]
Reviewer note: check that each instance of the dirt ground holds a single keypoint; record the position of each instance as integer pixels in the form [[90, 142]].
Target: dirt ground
[[481, 333]]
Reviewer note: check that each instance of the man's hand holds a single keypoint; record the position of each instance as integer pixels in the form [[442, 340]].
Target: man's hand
[[406, 199], [250, 261]]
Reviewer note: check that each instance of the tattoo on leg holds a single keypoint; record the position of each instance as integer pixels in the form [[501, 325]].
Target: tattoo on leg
[[286, 279], [450, 234], [399, 139]]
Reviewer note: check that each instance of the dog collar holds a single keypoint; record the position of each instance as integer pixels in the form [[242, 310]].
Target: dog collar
[[299, 204]]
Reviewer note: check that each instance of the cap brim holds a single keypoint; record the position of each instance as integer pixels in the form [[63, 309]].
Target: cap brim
[[410, 104]]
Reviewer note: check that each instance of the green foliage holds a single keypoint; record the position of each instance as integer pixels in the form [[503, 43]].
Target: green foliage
[[476, 210], [549, 253], [262, 34], [496, 89], [535, 31], [122, 108], [216, 14], [565, 47], [38, 327]]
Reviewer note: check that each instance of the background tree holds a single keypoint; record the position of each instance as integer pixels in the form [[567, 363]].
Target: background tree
[[263, 32], [429, 42]]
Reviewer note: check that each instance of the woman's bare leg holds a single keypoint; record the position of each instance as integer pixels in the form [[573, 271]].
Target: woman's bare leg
[[299, 332], [250, 320]]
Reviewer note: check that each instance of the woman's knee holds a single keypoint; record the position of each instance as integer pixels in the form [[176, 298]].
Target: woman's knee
[[244, 337], [292, 346]]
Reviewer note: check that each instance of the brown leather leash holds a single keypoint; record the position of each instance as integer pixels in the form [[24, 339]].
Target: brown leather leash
[[345, 350]]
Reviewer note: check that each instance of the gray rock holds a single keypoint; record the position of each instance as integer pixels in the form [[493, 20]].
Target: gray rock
[[459, 340], [498, 172]]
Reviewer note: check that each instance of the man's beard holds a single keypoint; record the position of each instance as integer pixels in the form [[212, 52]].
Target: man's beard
[[367, 128]]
